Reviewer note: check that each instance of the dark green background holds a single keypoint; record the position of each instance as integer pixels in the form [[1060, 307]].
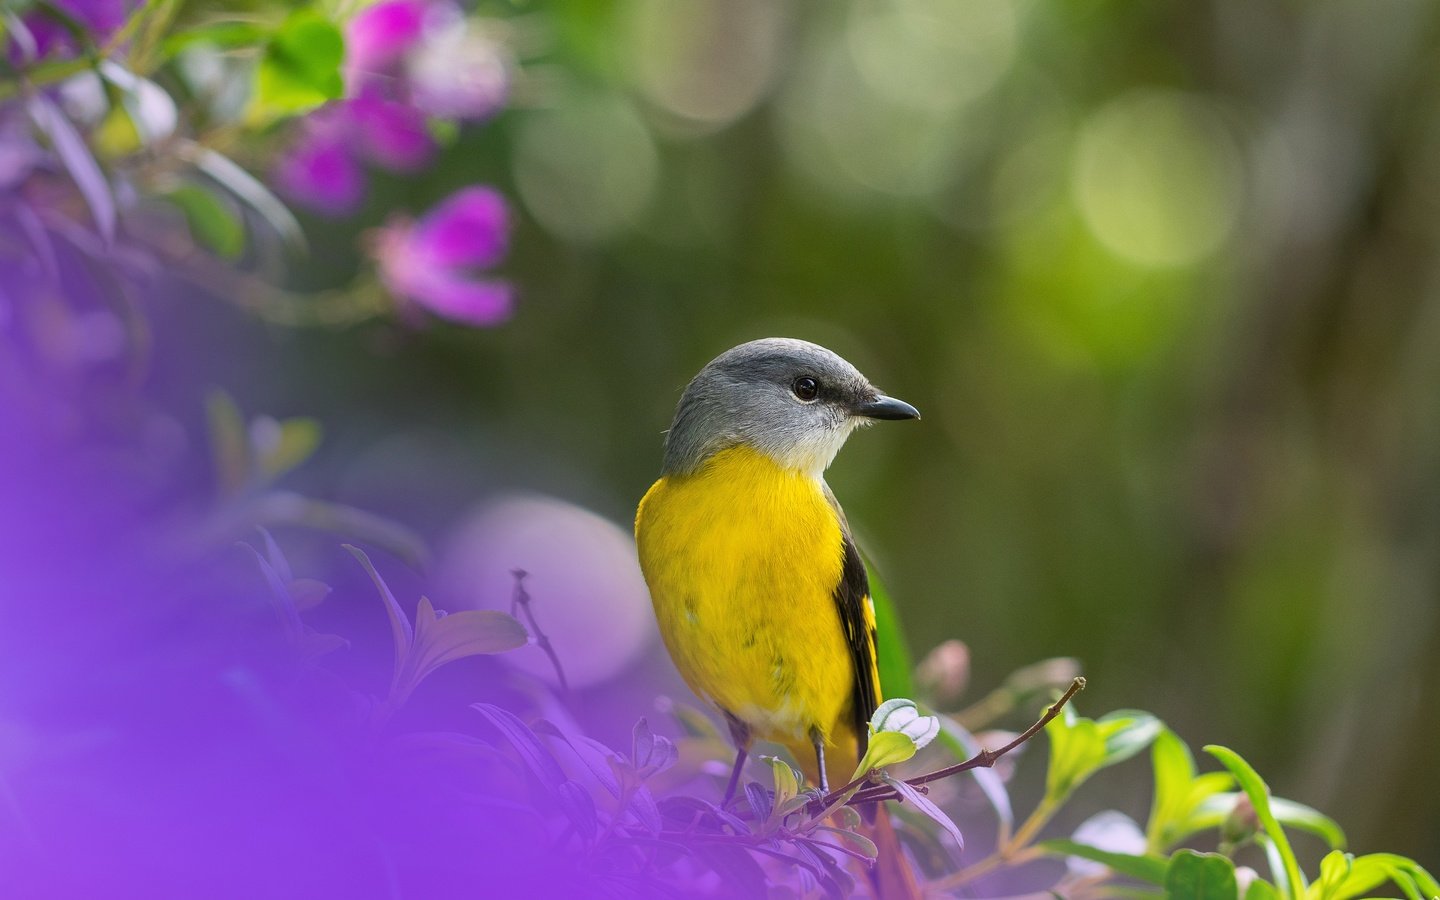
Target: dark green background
[[1181, 394]]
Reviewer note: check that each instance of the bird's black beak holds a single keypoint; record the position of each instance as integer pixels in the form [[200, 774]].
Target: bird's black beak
[[883, 407]]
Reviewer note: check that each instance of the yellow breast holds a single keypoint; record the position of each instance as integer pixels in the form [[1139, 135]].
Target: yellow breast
[[742, 559]]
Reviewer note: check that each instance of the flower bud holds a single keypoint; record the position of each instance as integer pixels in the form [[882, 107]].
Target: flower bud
[[944, 672], [904, 717], [1242, 822]]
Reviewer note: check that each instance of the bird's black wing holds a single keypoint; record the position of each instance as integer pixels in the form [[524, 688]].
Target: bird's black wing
[[857, 616], [857, 620]]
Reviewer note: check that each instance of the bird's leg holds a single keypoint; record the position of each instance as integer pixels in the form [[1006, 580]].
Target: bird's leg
[[740, 734], [818, 740]]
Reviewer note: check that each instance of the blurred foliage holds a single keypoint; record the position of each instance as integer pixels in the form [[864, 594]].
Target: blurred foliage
[[1158, 277]]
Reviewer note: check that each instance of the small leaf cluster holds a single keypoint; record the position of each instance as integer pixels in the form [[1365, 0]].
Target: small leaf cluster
[[648, 817]]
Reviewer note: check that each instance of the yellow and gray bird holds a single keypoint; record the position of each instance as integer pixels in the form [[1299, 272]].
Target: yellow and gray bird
[[759, 591]]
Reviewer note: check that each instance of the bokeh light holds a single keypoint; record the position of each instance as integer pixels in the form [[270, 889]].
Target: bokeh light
[[582, 574], [588, 168], [1159, 177]]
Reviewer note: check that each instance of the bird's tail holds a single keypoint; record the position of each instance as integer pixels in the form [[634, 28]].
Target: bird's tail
[[892, 876]]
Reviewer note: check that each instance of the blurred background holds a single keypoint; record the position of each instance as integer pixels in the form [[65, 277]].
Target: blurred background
[[1161, 277]]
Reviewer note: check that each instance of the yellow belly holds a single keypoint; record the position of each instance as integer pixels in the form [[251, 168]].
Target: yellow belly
[[742, 559]]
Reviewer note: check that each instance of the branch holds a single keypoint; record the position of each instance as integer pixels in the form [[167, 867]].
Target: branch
[[522, 603], [984, 759]]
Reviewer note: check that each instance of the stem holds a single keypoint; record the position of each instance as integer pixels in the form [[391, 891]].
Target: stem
[[835, 797], [522, 603], [984, 867], [1012, 851], [983, 759]]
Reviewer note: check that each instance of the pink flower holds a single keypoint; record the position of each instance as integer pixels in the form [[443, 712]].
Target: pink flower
[[462, 73], [390, 134], [322, 173], [323, 169], [381, 34], [433, 262]]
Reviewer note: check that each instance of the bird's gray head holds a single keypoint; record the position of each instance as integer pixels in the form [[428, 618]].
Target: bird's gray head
[[792, 400]]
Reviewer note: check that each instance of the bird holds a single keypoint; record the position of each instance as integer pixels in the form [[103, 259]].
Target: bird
[[761, 596]]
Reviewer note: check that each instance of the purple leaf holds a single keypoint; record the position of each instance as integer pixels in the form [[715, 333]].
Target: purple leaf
[[691, 812], [442, 639], [308, 593], [276, 557], [642, 807], [759, 800], [594, 755], [279, 595], [642, 743], [924, 805], [78, 161], [863, 846], [536, 758], [835, 883], [579, 807], [652, 752], [401, 633], [736, 868]]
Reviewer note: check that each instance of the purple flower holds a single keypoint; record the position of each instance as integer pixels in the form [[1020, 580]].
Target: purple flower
[[323, 169], [463, 73], [433, 262], [390, 134], [100, 18], [322, 173], [380, 35]]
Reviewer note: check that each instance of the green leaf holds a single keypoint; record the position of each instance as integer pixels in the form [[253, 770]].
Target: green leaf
[[1077, 750], [229, 442], [285, 445], [787, 784], [1080, 747], [891, 651], [1200, 876], [1298, 815], [228, 35], [1260, 889], [1126, 733], [1146, 868], [1180, 793], [886, 748], [1259, 793], [300, 68], [211, 222], [1343, 877], [1174, 769], [247, 189]]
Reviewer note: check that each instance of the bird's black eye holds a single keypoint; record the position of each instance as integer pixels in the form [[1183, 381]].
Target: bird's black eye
[[806, 388]]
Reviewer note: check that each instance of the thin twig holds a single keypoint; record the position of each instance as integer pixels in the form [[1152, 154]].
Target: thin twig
[[521, 603], [982, 760]]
